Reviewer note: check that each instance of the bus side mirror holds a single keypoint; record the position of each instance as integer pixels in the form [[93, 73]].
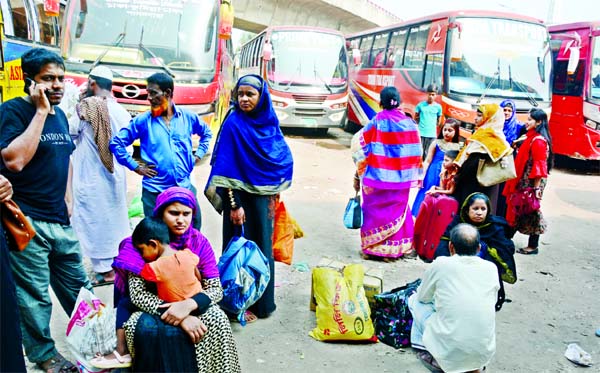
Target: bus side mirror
[[356, 58], [226, 21], [573, 60], [267, 51], [51, 8], [457, 44]]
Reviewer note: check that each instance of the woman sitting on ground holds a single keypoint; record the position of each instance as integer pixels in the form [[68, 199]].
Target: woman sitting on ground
[[166, 336], [496, 247]]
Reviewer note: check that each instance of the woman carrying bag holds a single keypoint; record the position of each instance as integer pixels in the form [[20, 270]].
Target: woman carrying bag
[[533, 162], [251, 165]]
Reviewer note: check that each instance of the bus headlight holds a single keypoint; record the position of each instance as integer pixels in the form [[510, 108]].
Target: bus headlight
[[339, 105], [201, 109], [279, 104], [593, 125]]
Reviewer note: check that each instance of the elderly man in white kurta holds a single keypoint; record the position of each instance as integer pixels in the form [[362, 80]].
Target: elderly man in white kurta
[[99, 185], [453, 310]]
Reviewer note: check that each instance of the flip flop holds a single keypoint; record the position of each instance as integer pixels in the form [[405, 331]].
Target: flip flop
[[119, 361], [248, 316], [524, 251], [429, 361], [100, 281]]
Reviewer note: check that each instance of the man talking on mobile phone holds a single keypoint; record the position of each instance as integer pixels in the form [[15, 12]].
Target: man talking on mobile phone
[[35, 149]]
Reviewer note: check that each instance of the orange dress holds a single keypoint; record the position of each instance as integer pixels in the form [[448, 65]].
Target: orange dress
[[174, 276]]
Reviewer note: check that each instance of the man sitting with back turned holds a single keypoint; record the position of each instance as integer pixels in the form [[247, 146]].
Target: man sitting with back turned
[[453, 309]]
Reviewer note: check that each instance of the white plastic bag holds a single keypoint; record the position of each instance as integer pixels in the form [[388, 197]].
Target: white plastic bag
[[91, 329]]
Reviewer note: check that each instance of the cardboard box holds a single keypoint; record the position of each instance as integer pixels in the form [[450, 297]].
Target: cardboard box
[[372, 283]]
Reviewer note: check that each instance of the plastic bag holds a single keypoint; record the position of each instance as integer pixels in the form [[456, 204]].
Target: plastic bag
[[353, 217], [393, 320], [91, 328], [245, 274], [283, 235], [136, 208], [343, 312]]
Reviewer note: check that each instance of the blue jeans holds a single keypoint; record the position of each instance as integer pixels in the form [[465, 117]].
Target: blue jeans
[[149, 201], [53, 257]]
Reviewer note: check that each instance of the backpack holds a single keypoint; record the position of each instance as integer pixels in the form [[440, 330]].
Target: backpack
[[245, 274]]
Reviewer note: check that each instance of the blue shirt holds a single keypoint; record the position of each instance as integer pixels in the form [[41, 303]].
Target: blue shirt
[[168, 148], [428, 118]]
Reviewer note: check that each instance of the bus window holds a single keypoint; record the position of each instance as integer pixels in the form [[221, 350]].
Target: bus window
[[595, 72], [433, 70], [365, 49], [20, 26], [396, 47], [379, 51], [48, 28], [414, 57]]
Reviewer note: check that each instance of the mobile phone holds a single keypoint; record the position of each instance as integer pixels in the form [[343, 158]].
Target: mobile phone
[[28, 82]]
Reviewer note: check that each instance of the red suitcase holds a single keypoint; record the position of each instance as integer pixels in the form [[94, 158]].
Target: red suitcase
[[436, 212]]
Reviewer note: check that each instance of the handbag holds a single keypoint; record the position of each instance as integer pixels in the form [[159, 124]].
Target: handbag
[[245, 274], [393, 319], [491, 173], [524, 201], [353, 217], [17, 228]]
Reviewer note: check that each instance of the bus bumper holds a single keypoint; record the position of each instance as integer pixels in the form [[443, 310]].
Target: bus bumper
[[310, 118]]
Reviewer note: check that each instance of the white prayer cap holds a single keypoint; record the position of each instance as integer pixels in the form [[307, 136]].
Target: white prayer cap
[[102, 72]]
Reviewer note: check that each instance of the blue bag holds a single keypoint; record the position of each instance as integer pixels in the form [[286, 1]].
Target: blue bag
[[353, 217], [245, 273]]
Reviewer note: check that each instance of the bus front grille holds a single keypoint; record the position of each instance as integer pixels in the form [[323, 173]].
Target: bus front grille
[[309, 113], [310, 99]]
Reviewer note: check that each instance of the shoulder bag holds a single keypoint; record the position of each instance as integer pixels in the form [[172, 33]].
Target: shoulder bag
[[491, 173], [17, 228]]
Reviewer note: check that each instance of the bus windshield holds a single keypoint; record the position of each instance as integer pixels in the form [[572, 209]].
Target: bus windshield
[[501, 58], [177, 36], [311, 59]]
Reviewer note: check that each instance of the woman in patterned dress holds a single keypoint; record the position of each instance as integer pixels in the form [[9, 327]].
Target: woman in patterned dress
[[166, 336], [533, 162]]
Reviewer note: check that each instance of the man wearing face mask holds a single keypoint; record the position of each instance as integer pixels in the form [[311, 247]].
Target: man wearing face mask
[[35, 147], [99, 183], [165, 134]]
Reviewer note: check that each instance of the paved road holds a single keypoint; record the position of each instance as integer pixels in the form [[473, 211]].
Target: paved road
[[555, 301]]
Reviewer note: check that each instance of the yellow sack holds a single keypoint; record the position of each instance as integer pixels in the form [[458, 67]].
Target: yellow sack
[[343, 313]]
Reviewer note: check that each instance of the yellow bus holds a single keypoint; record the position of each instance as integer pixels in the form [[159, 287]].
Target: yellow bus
[[24, 24]]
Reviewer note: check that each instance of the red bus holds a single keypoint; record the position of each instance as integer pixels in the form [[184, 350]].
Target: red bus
[[136, 39], [472, 56], [306, 69], [575, 120]]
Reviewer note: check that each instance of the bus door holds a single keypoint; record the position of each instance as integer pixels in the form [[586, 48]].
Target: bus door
[[2, 76]]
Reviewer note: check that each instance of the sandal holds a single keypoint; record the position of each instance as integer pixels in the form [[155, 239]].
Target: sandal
[[119, 361], [99, 280], [527, 251], [57, 364], [248, 316], [429, 361]]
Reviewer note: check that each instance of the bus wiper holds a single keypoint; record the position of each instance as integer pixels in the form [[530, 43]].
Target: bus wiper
[[317, 75], [120, 38], [489, 85], [530, 97], [154, 56], [298, 72]]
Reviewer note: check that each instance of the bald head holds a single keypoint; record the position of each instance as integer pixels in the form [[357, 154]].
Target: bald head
[[465, 239]]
